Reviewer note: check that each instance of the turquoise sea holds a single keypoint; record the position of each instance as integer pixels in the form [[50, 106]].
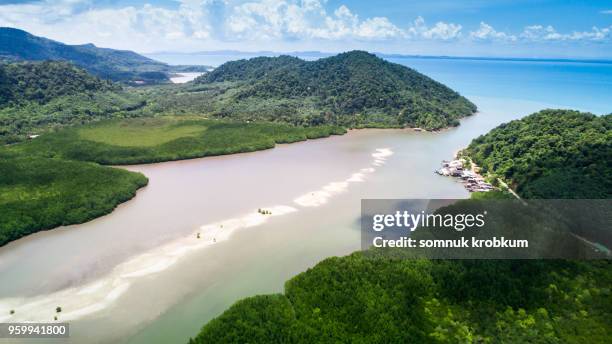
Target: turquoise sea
[[582, 85]]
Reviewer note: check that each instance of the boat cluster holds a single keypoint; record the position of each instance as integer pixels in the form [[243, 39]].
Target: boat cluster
[[473, 181]]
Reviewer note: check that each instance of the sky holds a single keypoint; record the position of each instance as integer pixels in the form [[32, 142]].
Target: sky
[[495, 28]]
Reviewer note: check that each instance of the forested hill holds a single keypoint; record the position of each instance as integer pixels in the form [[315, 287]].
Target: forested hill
[[354, 87], [40, 82], [551, 154], [116, 65]]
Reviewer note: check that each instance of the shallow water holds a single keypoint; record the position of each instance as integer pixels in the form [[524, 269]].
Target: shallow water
[[141, 275]]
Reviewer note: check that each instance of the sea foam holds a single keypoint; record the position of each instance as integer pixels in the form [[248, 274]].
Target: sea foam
[[319, 197]]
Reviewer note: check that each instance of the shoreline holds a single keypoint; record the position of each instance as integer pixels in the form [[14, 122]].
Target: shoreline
[[348, 131], [226, 154], [133, 168]]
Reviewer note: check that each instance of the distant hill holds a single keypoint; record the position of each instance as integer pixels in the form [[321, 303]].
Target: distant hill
[[42, 81], [355, 88], [116, 65]]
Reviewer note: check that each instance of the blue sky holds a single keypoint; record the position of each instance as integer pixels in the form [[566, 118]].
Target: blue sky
[[535, 28]]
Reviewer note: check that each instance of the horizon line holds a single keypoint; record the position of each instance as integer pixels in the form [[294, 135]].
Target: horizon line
[[315, 53]]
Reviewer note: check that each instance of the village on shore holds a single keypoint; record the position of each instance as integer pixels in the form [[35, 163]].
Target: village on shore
[[470, 176]]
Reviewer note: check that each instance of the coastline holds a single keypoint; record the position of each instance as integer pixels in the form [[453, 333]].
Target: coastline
[[134, 168]]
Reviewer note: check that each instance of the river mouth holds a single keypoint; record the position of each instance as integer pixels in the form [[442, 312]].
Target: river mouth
[[322, 181]]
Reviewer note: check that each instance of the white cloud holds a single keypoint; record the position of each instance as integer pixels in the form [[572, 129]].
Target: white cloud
[[76, 21], [486, 32], [307, 19], [440, 31], [137, 27], [539, 32], [548, 33], [606, 12], [378, 27], [45, 11], [596, 34], [258, 24]]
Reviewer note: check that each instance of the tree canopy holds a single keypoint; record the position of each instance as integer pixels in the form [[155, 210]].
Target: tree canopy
[[41, 82], [38, 193], [550, 154], [367, 298]]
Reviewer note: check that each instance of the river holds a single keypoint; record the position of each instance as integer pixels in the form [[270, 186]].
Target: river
[[142, 275]]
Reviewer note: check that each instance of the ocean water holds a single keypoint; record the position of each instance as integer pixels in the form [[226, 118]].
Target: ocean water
[[580, 85], [585, 86]]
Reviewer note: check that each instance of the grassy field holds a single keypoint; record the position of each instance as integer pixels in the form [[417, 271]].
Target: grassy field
[[38, 193], [145, 132], [147, 140]]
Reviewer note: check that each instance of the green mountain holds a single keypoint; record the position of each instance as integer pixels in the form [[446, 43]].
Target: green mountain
[[116, 65], [42, 81], [550, 154], [354, 88]]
